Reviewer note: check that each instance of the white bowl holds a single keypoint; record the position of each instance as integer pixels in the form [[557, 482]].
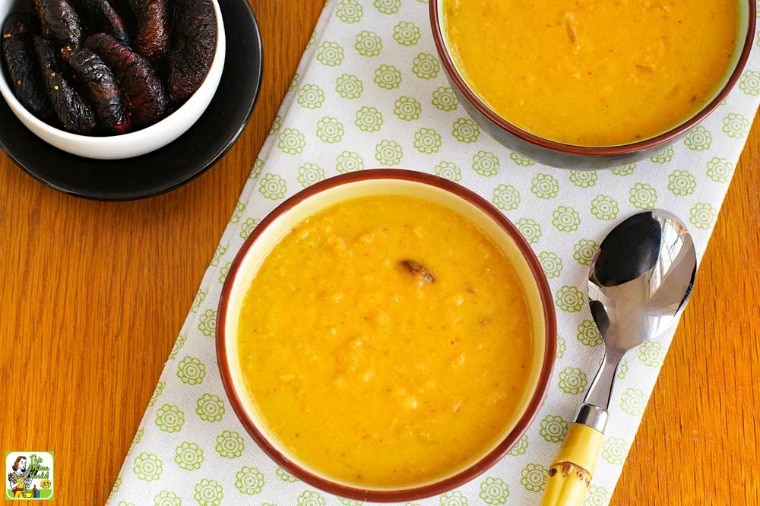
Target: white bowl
[[131, 144]]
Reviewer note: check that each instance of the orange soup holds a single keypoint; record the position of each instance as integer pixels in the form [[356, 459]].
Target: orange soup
[[593, 72], [386, 342]]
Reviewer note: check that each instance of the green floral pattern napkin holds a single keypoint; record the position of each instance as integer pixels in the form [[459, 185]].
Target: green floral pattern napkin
[[371, 92]]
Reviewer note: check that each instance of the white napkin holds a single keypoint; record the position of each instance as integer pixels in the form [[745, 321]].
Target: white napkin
[[371, 92]]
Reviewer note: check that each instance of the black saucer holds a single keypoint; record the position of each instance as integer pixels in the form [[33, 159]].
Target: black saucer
[[173, 165]]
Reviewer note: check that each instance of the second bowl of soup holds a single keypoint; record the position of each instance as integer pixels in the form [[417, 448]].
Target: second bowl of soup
[[591, 84], [386, 335]]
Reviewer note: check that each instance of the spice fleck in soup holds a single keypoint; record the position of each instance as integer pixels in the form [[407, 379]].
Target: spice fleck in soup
[[593, 72], [386, 342]]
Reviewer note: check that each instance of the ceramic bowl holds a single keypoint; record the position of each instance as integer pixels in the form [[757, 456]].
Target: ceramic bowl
[[131, 144], [569, 156], [371, 183]]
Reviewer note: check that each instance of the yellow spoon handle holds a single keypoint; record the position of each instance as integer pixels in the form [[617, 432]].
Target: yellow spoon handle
[[573, 468]]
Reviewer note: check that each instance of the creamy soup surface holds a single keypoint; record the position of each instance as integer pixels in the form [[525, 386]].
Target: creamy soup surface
[[593, 72], [386, 341]]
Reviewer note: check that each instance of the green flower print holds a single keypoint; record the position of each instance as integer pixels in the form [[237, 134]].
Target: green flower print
[[330, 130], [348, 502], [544, 186], [210, 408], [188, 456], [248, 226], [444, 99], [572, 380], [116, 485], [219, 253], [258, 166], [448, 170], [614, 450], [276, 125], [427, 140], [652, 353], [622, 370], [273, 187], [294, 82], [310, 173], [494, 491], [311, 96], [596, 496], [453, 498], [330, 54], [604, 207], [553, 428], [698, 139], [584, 251], [167, 498], [349, 86], [389, 153], [749, 82], [310, 498], [369, 119], [681, 183], [349, 11], [642, 196], [530, 229], [625, 170], [229, 444], [388, 6], [663, 156], [561, 346], [285, 476], [583, 178], [156, 393], [348, 161], [249, 480], [551, 263], [191, 371], [148, 467], [223, 272], [465, 130], [520, 160], [136, 440], [426, 66], [520, 448], [207, 323], [569, 299], [170, 418], [406, 33], [633, 402], [720, 170], [588, 334], [368, 44], [485, 163], [506, 197], [735, 125], [198, 300], [291, 141], [387, 77], [703, 215], [534, 477], [407, 109], [566, 219], [238, 212], [208, 493]]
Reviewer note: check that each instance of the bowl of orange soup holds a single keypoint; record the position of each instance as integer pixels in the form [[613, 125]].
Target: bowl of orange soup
[[386, 335], [591, 83]]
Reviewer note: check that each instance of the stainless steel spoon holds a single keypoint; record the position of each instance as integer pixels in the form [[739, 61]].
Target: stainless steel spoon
[[639, 282]]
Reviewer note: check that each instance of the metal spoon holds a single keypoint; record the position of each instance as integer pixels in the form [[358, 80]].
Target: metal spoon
[[639, 282]]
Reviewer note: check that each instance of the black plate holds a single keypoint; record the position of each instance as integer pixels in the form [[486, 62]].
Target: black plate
[[173, 165]]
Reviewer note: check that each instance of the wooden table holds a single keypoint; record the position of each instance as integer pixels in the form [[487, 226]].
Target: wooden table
[[92, 296]]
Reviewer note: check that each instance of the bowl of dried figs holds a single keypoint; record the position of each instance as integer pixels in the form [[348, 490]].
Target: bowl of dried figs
[[110, 79]]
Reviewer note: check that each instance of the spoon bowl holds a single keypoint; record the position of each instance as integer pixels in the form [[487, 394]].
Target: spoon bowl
[[638, 285]]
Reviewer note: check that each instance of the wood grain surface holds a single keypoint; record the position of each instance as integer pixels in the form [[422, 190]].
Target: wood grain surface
[[92, 296]]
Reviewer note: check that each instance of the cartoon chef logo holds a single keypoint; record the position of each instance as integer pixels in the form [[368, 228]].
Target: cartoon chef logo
[[29, 475]]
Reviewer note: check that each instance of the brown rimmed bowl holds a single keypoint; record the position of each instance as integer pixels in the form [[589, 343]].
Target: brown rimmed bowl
[[557, 154], [385, 182]]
